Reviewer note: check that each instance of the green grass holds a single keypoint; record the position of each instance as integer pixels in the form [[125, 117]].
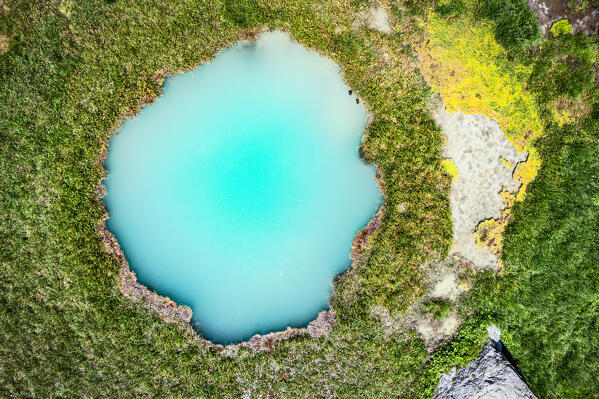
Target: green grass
[[67, 83], [516, 26], [439, 308], [547, 300]]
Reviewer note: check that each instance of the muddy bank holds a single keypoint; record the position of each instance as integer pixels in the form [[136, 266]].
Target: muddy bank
[[166, 308]]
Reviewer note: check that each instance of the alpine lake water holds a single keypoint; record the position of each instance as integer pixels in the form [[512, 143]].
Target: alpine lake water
[[239, 191]]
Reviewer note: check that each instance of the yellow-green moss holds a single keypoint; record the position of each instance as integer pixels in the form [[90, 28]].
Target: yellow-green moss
[[65, 7], [450, 168], [489, 233], [566, 111], [506, 162], [463, 62], [561, 27], [461, 59]]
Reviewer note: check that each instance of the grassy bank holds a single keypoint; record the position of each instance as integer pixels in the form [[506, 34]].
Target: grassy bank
[[73, 71], [547, 300]]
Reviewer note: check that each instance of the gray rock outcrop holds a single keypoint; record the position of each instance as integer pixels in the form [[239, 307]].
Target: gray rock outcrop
[[489, 376]]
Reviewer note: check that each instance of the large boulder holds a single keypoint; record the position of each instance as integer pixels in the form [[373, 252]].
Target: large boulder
[[489, 376]]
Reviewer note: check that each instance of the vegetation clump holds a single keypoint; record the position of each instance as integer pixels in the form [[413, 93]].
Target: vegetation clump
[[515, 25], [561, 27], [439, 308]]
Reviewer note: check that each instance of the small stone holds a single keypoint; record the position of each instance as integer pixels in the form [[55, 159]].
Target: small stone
[[494, 333]]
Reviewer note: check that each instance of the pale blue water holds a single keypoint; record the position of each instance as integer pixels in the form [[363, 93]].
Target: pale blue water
[[239, 191]]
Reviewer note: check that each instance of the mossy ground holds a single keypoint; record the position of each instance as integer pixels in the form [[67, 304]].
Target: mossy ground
[[73, 70]]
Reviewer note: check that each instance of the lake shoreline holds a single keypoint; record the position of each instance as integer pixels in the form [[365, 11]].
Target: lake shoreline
[[172, 312]]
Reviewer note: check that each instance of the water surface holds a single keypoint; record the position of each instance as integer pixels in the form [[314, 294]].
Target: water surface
[[239, 191]]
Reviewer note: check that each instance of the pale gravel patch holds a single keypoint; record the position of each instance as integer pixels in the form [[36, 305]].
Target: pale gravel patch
[[479, 150], [434, 332], [378, 19], [389, 324], [445, 283], [447, 288], [375, 17]]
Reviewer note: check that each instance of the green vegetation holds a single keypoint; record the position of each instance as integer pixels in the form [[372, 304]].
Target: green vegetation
[[68, 79], [550, 244], [439, 308], [73, 70], [548, 298], [546, 301], [561, 27], [516, 25], [564, 69], [450, 8]]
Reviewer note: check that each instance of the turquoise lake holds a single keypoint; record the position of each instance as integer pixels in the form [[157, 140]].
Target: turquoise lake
[[240, 190]]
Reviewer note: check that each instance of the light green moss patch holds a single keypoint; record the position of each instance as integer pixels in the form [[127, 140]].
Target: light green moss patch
[[561, 27]]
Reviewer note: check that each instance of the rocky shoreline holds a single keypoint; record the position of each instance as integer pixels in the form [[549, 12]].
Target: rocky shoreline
[[317, 328], [171, 312], [168, 309]]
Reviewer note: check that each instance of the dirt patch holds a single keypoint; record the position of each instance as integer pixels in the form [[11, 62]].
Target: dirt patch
[[446, 288], [375, 17], [361, 240], [584, 20], [378, 19], [434, 332], [3, 44], [317, 328], [433, 317]]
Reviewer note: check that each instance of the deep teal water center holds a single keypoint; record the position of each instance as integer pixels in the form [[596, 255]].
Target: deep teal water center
[[240, 190]]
